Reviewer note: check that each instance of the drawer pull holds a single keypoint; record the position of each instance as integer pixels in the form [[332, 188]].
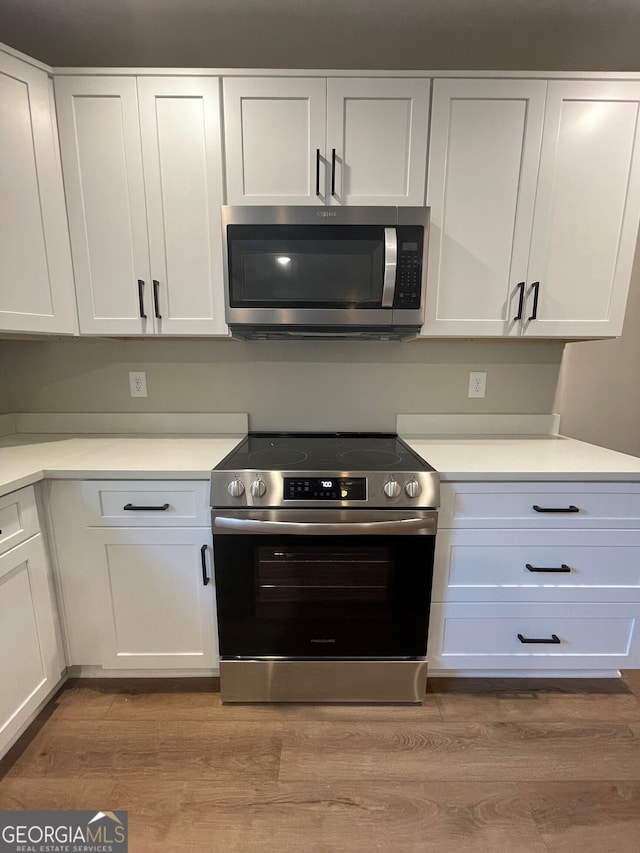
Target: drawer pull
[[203, 559], [132, 508], [562, 568], [570, 508], [554, 639]]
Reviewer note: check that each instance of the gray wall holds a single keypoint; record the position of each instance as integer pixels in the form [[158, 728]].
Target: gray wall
[[6, 403], [599, 389], [387, 34], [292, 385]]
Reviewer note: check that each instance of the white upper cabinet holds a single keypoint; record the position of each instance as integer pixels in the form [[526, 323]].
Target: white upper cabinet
[[534, 190], [36, 276], [274, 140], [143, 172], [587, 210], [483, 167], [308, 140]]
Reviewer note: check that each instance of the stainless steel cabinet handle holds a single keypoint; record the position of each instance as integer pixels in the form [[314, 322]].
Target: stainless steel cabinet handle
[[298, 528]]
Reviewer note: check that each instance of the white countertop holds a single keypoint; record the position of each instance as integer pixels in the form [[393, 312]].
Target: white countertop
[[26, 459], [519, 457]]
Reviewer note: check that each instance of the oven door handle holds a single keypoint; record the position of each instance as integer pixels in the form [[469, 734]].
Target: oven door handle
[[390, 264], [404, 526]]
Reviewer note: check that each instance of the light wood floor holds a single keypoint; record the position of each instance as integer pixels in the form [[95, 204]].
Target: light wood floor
[[509, 766]]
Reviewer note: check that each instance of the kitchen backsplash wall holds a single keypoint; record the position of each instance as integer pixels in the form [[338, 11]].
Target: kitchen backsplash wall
[[291, 385], [5, 399]]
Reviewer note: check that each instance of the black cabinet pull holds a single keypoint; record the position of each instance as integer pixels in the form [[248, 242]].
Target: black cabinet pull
[[570, 508], [520, 301], [156, 300], [333, 171], [553, 640], [132, 508], [562, 568], [141, 298], [203, 559], [317, 171], [536, 292]]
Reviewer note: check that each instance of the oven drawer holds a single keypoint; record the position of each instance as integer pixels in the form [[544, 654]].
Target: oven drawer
[[18, 518], [534, 636], [149, 504], [537, 565], [544, 505]]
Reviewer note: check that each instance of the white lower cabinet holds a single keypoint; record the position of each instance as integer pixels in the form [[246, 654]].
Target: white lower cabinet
[[519, 589], [158, 602], [31, 661], [136, 597]]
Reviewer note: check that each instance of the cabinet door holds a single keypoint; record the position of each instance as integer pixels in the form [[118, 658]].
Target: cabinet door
[[102, 162], [30, 659], [182, 156], [378, 131], [36, 278], [274, 140], [587, 209], [157, 613], [483, 166]]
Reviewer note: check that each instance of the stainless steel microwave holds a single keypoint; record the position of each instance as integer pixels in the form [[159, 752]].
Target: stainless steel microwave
[[325, 272]]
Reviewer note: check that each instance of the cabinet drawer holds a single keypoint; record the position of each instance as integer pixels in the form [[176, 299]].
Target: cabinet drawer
[[18, 518], [485, 636], [148, 504], [537, 565], [544, 505]]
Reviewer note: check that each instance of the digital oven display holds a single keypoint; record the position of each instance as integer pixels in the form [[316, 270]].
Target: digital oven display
[[325, 489]]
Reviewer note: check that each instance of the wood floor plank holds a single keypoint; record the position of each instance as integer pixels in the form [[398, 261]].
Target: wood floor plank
[[19, 793], [460, 751], [75, 749], [586, 817], [631, 678], [538, 706], [81, 703], [208, 706], [322, 818]]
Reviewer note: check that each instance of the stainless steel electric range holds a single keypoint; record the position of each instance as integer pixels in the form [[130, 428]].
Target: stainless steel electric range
[[323, 553]]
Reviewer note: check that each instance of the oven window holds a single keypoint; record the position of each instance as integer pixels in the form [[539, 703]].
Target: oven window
[[315, 574], [303, 266], [318, 596]]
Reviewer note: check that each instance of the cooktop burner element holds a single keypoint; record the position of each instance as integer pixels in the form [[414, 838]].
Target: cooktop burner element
[[313, 470]]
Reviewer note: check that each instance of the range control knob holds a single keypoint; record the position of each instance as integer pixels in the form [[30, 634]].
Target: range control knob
[[412, 488], [392, 488], [258, 488], [236, 488]]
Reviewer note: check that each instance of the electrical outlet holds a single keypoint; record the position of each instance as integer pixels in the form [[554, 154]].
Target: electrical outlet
[[477, 384], [138, 383]]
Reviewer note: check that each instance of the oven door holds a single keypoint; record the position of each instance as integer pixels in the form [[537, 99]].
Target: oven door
[[323, 584]]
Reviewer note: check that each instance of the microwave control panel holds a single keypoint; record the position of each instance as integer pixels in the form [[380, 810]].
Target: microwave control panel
[[409, 271]]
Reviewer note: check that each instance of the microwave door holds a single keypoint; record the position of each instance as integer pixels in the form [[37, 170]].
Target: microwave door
[[390, 264]]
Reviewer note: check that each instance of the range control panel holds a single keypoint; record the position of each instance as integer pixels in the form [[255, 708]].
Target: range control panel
[[325, 488]]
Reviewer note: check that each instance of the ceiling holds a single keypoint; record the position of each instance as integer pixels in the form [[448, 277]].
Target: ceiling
[[549, 35]]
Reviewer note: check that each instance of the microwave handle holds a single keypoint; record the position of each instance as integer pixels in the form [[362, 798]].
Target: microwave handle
[[390, 264]]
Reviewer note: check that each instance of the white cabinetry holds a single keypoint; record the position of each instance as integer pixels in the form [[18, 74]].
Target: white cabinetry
[[31, 661], [555, 588], [534, 190], [36, 277], [136, 575], [142, 165], [307, 140]]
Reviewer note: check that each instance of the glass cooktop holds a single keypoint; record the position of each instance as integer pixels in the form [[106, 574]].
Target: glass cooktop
[[340, 451]]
